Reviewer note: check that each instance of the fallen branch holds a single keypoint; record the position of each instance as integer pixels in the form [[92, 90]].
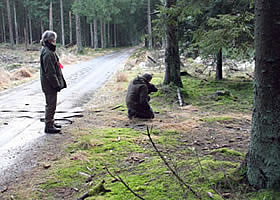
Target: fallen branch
[[118, 178], [173, 172], [99, 189], [116, 107], [151, 59], [250, 76], [179, 97], [202, 171]]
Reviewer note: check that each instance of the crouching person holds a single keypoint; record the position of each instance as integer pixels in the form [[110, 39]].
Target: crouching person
[[137, 98]]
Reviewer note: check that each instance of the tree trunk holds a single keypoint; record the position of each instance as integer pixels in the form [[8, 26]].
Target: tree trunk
[[42, 27], [70, 28], [62, 23], [149, 25], [115, 35], [264, 152], [10, 24], [101, 34], [4, 27], [108, 35], [51, 17], [78, 33], [30, 29], [172, 58], [95, 34], [219, 67], [26, 40], [91, 35], [16, 24], [104, 34]]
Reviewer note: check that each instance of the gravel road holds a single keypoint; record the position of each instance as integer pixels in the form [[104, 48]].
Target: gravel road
[[22, 139]]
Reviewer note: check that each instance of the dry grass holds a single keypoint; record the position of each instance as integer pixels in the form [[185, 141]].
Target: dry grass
[[21, 73], [5, 78], [121, 77]]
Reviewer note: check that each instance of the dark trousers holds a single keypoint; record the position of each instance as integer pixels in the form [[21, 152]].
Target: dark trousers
[[51, 100], [141, 113]]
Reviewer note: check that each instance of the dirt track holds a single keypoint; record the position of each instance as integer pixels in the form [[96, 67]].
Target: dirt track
[[22, 140]]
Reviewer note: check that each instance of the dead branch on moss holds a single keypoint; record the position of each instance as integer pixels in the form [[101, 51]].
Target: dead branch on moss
[[202, 171], [118, 178], [179, 97], [170, 168]]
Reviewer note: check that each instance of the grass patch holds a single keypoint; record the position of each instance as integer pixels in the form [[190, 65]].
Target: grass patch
[[216, 119], [236, 95], [202, 93]]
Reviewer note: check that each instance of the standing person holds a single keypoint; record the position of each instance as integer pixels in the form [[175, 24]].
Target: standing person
[[137, 98], [52, 80]]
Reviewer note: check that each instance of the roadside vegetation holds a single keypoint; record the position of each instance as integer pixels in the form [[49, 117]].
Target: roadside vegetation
[[19, 66], [204, 142]]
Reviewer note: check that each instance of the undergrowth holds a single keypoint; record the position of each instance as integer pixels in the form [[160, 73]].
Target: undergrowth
[[127, 152], [226, 95]]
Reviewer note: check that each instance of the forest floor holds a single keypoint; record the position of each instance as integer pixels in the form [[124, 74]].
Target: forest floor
[[204, 141]]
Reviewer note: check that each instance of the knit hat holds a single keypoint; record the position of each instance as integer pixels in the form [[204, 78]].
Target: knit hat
[[147, 77]]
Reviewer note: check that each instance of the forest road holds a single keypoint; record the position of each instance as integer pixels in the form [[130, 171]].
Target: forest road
[[22, 137]]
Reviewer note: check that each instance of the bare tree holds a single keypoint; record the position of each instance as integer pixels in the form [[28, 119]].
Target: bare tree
[[4, 27], [10, 24], [26, 40], [219, 67], [91, 35], [115, 35], [95, 33], [62, 23], [149, 25], [70, 27], [51, 16], [78, 33], [101, 34], [16, 24], [42, 26], [108, 35], [30, 29]]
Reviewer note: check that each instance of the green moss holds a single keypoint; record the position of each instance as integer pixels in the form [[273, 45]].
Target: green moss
[[202, 93], [150, 178], [228, 152]]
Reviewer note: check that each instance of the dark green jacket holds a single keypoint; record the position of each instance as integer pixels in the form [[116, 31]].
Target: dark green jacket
[[137, 94], [52, 79]]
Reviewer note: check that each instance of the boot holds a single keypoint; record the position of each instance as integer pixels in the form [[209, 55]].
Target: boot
[[52, 130], [57, 125]]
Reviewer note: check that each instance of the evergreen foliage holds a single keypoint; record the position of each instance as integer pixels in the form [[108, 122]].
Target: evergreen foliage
[[204, 27]]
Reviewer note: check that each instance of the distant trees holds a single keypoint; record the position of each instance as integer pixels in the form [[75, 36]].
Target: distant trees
[[220, 28], [102, 23]]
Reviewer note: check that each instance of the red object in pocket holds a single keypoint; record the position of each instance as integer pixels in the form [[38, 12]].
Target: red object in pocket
[[60, 66]]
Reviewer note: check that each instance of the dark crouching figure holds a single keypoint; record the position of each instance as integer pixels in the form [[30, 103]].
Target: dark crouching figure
[[52, 80], [137, 98]]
